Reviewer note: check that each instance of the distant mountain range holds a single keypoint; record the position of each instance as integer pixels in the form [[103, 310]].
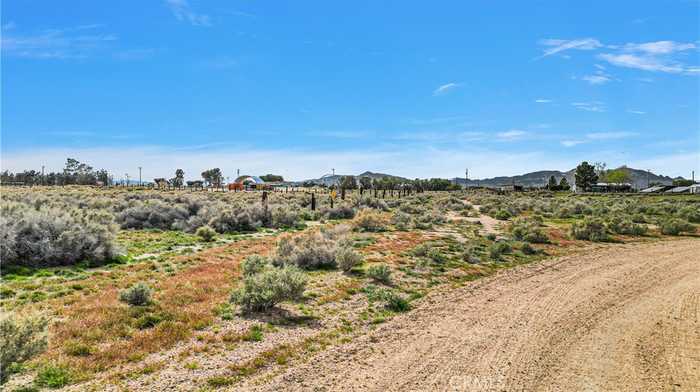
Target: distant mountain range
[[639, 178], [334, 179]]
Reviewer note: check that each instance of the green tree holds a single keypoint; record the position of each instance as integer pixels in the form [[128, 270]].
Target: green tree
[[272, 178], [564, 184], [348, 182], [682, 182], [213, 176], [179, 178], [585, 176], [617, 176], [366, 182], [552, 184]]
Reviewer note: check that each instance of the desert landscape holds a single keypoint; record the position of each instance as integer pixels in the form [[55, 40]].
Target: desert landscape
[[457, 196], [183, 290]]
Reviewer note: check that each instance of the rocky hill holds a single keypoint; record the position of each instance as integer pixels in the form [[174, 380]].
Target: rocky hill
[[638, 178]]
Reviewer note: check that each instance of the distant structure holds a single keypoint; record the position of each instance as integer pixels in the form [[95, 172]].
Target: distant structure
[[247, 182]]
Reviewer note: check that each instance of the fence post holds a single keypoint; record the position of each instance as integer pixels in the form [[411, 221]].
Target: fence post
[[313, 201]]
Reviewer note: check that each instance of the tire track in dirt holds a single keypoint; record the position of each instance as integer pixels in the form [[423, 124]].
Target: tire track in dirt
[[621, 317]]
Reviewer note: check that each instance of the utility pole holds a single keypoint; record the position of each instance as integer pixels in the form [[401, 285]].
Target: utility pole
[[648, 174], [139, 175], [333, 172], [42, 174], [466, 178], [127, 179]]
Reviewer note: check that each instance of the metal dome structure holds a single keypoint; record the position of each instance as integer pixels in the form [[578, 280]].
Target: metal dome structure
[[249, 180]]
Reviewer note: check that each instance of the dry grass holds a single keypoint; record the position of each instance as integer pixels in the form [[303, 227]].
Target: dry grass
[[186, 300]]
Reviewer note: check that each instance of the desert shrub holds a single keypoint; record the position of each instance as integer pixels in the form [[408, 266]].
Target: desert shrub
[[371, 202], [401, 220], [690, 213], [51, 236], [427, 219], [527, 249], [498, 249], [77, 349], [380, 273], [591, 229], [390, 299], [20, 340], [137, 295], [436, 256], [395, 302], [639, 218], [368, 220], [234, 219], [421, 250], [253, 264], [309, 251], [503, 215], [152, 214], [339, 212], [266, 289], [674, 226], [285, 216], [148, 320], [53, 376], [491, 236], [451, 203], [625, 226], [470, 255], [347, 258], [524, 229], [206, 233]]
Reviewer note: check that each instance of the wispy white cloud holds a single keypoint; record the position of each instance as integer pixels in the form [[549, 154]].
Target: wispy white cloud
[[658, 47], [436, 137], [554, 46], [542, 100], [182, 11], [636, 111], [598, 78], [571, 143], [68, 43], [655, 56], [445, 88], [597, 137], [510, 135], [645, 63], [594, 106], [610, 135]]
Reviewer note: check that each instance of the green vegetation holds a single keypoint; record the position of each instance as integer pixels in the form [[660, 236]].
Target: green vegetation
[[263, 290], [137, 295], [20, 340], [256, 269]]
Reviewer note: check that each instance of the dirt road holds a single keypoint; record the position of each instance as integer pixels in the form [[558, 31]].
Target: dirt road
[[619, 318]]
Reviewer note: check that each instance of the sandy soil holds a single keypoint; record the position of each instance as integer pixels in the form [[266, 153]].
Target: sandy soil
[[621, 317], [488, 224]]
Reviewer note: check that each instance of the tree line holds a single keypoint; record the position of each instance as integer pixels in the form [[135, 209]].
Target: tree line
[[392, 183], [74, 173]]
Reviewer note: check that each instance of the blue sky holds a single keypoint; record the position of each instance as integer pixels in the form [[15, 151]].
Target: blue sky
[[419, 89]]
